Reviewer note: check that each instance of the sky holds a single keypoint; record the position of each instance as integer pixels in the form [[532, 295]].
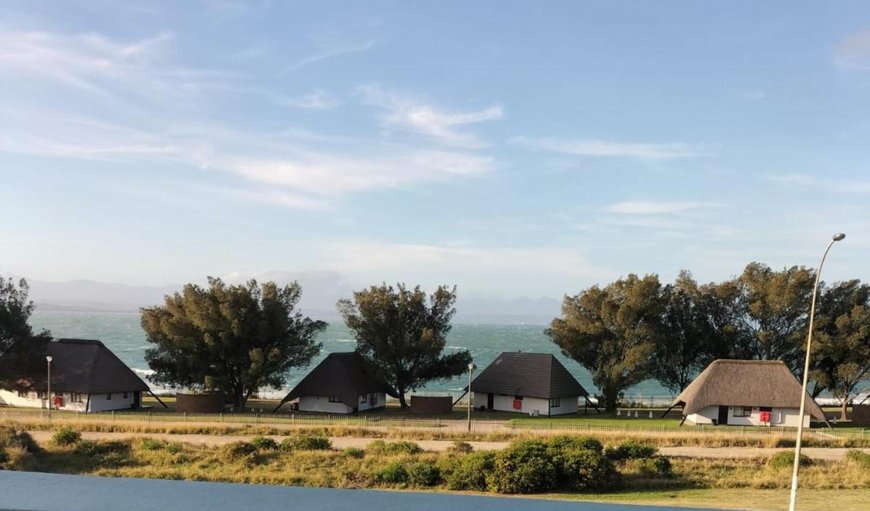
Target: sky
[[514, 149]]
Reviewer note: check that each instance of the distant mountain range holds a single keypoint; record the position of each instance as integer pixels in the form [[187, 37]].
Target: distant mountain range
[[320, 292]]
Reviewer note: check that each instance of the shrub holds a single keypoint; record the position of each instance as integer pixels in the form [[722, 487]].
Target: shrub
[[585, 470], [423, 474], [306, 443], [149, 444], [631, 450], [380, 447], [460, 447], [859, 457], [468, 472], [354, 452], [655, 467], [239, 450], [86, 448], [393, 473], [66, 436], [523, 467], [173, 448], [264, 443], [575, 443], [786, 459]]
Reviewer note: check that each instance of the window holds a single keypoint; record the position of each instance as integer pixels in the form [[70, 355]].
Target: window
[[22, 393], [363, 398], [75, 397], [109, 396], [125, 395], [555, 402], [518, 398], [743, 411], [334, 399], [41, 394]]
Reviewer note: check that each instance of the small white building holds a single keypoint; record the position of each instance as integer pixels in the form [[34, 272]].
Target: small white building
[[530, 383], [341, 383], [746, 393], [85, 377]]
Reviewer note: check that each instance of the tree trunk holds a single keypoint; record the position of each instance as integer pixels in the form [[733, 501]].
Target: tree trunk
[[402, 403], [611, 398], [843, 408]]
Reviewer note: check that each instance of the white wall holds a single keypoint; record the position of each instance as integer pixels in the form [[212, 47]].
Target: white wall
[[503, 403], [101, 403], [380, 401], [779, 417], [98, 403], [322, 404]]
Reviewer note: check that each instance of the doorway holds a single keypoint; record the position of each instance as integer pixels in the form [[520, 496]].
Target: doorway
[[490, 401], [723, 416]]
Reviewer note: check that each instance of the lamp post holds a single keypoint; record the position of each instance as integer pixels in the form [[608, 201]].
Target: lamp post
[[470, 370], [800, 431], [48, 383]]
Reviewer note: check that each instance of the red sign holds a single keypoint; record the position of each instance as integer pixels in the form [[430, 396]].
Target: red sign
[[765, 416], [518, 404]]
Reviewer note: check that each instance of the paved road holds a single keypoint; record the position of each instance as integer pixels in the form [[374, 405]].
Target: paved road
[[442, 445], [55, 492]]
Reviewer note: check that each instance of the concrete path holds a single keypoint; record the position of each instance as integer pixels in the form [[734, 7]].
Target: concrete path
[[443, 445]]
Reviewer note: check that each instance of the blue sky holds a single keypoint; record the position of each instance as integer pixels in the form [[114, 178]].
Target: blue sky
[[512, 148]]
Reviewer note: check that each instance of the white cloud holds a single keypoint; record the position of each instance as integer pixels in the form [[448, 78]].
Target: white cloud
[[334, 51], [315, 100], [651, 207], [609, 149], [831, 184], [853, 52], [405, 112]]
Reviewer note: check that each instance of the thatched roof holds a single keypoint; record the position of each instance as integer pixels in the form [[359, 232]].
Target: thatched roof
[[346, 376], [528, 374], [745, 383], [82, 365]]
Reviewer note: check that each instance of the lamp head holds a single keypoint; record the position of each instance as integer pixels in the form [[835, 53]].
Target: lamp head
[[839, 236], [48, 358], [470, 366]]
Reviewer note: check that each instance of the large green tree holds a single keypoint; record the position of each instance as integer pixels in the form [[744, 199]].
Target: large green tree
[[403, 333], [774, 307], [693, 332], [19, 351], [841, 341], [612, 332], [230, 339]]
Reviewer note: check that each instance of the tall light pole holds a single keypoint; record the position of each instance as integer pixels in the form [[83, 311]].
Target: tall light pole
[[48, 383], [470, 370], [800, 431]]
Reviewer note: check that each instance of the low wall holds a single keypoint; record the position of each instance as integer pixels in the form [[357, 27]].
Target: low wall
[[431, 405], [199, 403], [861, 415]]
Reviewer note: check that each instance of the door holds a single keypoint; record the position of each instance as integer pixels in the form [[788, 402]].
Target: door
[[490, 401], [723, 415]]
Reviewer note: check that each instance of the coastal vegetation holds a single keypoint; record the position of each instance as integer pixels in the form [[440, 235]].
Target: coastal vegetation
[[637, 328], [18, 343], [402, 332], [230, 339]]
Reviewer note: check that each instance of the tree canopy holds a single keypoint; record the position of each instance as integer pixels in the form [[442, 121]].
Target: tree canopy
[[230, 339], [612, 332], [402, 332], [17, 349]]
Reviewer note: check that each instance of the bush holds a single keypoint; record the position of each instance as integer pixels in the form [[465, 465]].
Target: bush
[[585, 470], [655, 467], [149, 444], [523, 467], [423, 474], [460, 447], [631, 450], [264, 443], [66, 436], [354, 452], [575, 443], [786, 459], [468, 472], [306, 443], [859, 457], [239, 450], [87, 448], [382, 448], [393, 473]]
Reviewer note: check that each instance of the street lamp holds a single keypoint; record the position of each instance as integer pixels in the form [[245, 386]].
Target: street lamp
[[48, 383], [800, 431], [470, 370]]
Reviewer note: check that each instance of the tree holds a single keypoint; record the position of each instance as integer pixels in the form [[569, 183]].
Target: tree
[[841, 341], [19, 350], [230, 339], [692, 336], [774, 307], [612, 332], [403, 334]]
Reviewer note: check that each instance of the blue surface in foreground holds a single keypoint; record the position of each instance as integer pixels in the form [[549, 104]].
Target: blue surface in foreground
[[56, 492]]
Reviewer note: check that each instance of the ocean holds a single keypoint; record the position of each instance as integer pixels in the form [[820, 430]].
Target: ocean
[[121, 332]]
